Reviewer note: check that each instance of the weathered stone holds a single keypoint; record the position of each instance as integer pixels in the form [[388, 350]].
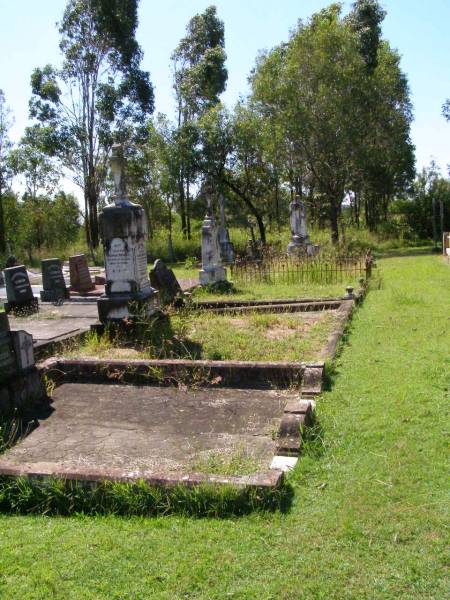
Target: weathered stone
[[300, 242], [212, 269], [80, 278], [123, 226], [23, 347], [225, 245], [53, 281], [163, 279], [18, 291]]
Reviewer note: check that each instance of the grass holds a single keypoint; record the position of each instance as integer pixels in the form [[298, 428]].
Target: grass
[[368, 519], [203, 335]]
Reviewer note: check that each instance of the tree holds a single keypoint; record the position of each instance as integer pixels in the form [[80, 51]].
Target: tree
[[338, 98], [6, 171], [199, 78], [99, 92], [37, 168]]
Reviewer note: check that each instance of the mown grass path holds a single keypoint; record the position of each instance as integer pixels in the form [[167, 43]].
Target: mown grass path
[[368, 518]]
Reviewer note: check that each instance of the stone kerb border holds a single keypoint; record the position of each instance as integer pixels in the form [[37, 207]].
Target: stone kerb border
[[264, 480], [298, 413]]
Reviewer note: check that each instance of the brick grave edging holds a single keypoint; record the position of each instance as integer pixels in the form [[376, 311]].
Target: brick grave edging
[[298, 413]]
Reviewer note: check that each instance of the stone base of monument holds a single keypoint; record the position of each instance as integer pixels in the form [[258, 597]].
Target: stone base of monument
[[54, 295], [213, 275], [22, 309], [303, 248], [124, 306]]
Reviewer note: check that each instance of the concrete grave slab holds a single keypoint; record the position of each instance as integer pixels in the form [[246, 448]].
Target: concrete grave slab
[[149, 429]]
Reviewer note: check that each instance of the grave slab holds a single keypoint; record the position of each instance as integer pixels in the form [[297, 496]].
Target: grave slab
[[150, 429]]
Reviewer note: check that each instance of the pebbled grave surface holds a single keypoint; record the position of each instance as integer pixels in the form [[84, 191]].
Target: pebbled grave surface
[[157, 429]]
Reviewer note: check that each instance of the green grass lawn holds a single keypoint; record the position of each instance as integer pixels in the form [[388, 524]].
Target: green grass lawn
[[368, 519]]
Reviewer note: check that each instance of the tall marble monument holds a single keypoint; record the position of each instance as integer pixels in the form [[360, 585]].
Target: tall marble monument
[[123, 227], [212, 269], [300, 242], [225, 245]]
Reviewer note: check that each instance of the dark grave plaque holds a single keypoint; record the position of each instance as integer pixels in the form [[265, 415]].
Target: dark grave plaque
[[80, 278], [53, 281], [18, 291], [163, 279]]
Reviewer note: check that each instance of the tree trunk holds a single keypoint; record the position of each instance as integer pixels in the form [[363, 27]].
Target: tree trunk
[[334, 220], [188, 209], [2, 226]]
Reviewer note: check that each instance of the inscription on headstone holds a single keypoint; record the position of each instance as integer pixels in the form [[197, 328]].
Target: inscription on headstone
[[80, 278], [18, 291], [53, 281]]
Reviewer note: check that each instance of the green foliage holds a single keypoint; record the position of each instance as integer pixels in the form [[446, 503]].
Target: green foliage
[[6, 170], [110, 94]]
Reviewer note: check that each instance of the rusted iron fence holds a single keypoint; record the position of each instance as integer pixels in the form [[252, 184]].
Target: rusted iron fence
[[320, 270]]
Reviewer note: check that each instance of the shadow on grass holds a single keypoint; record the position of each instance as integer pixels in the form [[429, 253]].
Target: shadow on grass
[[60, 497]]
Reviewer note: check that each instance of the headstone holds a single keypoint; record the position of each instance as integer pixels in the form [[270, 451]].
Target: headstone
[[7, 359], [23, 347], [80, 278], [2, 279], [225, 245], [163, 279], [300, 242], [18, 291], [53, 281], [123, 227], [16, 350], [212, 268]]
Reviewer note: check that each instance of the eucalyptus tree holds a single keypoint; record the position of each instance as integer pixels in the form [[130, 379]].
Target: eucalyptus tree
[[200, 77], [99, 92], [6, 171], [312, 87], [338, 95]]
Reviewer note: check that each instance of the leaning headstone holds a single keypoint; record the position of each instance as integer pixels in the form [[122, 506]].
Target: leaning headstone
[[18, 292], [212, 269], [163, 279], [53, 281], [225, 245], [80, 278], [123, 226], [300, 242]]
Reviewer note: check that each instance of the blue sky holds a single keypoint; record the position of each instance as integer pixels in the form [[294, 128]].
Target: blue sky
[[417, 28]]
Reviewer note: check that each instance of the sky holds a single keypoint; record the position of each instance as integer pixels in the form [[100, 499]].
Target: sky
[[418, 29]]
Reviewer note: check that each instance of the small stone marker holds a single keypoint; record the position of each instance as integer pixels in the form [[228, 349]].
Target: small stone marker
[[53, 281], [80, 278], [123, 227], [163, 279], [212, 269], [23, 347], [18, 291]]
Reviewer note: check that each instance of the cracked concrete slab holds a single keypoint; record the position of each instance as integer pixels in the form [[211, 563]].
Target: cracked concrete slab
[[151, 428]]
